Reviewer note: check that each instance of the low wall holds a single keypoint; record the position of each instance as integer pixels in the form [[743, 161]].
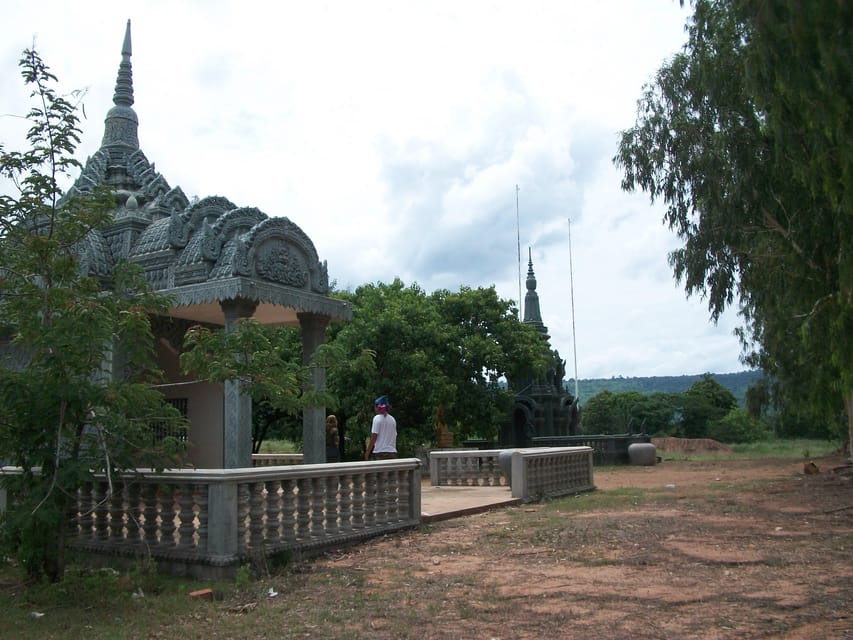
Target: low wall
[[607, 449], [465, 468], [535, 473], [205, 523]]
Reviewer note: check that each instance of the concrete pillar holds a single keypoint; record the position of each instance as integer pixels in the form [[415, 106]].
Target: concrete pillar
[[237, 418], [313, 418]]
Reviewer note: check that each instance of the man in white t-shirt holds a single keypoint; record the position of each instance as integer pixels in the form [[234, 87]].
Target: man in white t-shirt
[[383, 432]]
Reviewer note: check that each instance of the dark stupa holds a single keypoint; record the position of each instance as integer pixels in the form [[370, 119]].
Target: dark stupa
[[543, 407]]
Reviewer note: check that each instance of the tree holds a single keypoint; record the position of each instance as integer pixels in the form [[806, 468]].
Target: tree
[[69, 409], [601, 414], [745, 136], [441, 352], [737, 426], [628, 412], [705, 402]]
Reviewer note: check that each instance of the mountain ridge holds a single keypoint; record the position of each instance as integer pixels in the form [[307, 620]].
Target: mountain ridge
[[737, 383]]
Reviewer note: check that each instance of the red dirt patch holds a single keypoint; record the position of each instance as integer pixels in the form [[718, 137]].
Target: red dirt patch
[[689, 445], [734, 549]]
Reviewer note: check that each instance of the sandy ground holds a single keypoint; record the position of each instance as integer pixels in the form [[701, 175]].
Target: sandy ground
[[734, 549]]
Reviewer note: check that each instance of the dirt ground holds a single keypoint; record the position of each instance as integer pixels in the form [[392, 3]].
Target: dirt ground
[[717, 549]]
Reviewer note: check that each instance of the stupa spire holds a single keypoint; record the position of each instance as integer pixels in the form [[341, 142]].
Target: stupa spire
[[121, 124], [124, 82], [532, 314]]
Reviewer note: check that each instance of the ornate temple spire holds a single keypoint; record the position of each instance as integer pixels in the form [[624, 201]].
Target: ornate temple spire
[[532, 315], [121, 125]]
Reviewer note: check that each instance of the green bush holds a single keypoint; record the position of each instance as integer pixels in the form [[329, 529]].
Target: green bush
[[736, 427]]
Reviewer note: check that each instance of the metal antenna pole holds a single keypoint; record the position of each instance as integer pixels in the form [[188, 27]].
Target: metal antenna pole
[[572, 289], [518, 238]]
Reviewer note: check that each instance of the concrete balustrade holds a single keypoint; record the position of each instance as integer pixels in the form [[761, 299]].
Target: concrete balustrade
[[205, 523], [466, 468], [536, 473], [549, 472]]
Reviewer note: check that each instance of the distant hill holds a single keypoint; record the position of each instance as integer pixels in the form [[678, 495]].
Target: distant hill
[[737, 383]]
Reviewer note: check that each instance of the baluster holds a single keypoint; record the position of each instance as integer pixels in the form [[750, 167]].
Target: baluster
[[149, 513], [186, 517], [345, 503], [273, 512], [303, 508], [370, 487], [167, 517], [496, 471], [401, 506], [99, 511], [117, 506], [244, 506], [256, 516], [381, 497], [318, 499], [358, 489], [203, 515], [134, 514], [84, 510], [332, 501], [288, 511]]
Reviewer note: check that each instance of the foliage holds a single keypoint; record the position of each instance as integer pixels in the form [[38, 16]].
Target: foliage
[[268, 364], [69, 406], [629, 412], [737, 426], [745, 136], [703, 403], [757, 398], [437, 356]]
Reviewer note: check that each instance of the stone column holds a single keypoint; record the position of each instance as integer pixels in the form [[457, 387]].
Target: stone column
[[237, 418], [313, 418]]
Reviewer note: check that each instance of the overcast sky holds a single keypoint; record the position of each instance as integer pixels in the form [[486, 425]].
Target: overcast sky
[[394, 134]]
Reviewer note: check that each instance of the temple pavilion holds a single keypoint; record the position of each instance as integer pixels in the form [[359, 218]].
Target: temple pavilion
[[220, 263]]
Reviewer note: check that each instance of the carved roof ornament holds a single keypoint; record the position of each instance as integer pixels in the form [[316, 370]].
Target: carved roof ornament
[[202, 252], [122, 123]]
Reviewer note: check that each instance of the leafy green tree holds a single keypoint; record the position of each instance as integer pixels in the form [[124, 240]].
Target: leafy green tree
[[757, 398], [703, 403], [653, 413], [268, 363], [745, 136], [737, 427], [441, 352], [628, 412], [69, 408], [601, 414]]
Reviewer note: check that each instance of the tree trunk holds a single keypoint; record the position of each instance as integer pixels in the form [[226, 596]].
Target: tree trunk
[[848, 405], [54, 562]]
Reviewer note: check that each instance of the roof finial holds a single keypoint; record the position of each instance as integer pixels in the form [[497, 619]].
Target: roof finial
[[121, 123], [124, 83], [532, 314]]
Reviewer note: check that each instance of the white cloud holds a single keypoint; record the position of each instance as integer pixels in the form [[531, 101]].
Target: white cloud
[[395, 132]]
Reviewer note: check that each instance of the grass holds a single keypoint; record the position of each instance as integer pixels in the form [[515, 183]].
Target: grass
[[280, 446], [775, 448]]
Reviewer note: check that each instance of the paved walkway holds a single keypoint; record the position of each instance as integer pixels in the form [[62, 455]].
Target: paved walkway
[[441, 503]]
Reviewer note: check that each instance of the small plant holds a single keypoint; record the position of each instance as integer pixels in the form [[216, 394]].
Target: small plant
[[243, 578]]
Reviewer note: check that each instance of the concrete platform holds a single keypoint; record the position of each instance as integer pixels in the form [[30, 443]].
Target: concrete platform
[[442, 503]]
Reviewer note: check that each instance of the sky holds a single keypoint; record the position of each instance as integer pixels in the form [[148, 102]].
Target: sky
[[436, 142]]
